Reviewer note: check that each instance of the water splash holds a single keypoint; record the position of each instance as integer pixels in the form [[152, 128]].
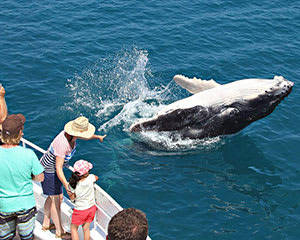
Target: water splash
[[116, 91], [173, 142]]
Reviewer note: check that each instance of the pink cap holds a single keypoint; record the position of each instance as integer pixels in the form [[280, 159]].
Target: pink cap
[[82, 166]]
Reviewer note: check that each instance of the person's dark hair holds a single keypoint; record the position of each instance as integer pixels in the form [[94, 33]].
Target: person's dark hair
[[74, 179], [128, 224]]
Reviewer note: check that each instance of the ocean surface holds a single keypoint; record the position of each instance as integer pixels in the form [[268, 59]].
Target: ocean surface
[[113, 62]]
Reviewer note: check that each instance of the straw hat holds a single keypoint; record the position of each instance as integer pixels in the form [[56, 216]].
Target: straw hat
[[80, 127]]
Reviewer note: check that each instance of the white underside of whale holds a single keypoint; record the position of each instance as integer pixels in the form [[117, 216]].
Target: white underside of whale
[[211, 93]]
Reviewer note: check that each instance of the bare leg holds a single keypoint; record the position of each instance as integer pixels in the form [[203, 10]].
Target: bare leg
[[86, 230], [55, 213], [74, 232], [47, 214]]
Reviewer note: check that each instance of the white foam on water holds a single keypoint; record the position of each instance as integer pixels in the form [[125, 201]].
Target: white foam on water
[[171, 141]]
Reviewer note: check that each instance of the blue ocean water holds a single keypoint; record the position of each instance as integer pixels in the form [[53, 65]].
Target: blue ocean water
[[113, 61]]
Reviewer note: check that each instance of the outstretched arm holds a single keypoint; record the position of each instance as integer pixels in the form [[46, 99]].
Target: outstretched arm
[[3, 107], [101, 138]]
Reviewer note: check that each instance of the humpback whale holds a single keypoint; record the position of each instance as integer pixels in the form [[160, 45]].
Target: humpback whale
[[217, 109]]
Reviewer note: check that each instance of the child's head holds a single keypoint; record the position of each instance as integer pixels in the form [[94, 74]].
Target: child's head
[[82, 167], [81, 170]]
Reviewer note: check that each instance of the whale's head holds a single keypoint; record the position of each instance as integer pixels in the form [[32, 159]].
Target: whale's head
[[257, 98], [249, 100]]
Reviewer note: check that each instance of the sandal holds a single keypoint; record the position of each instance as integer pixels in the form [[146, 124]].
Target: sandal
[[51, 227], [65, 235]]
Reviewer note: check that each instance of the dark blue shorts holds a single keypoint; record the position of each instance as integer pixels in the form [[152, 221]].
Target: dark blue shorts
[[51, 185]]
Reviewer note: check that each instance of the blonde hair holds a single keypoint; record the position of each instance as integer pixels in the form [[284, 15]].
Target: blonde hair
[[12, 140]]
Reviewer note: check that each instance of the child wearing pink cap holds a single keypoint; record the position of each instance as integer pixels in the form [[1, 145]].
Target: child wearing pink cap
[[81, 190]]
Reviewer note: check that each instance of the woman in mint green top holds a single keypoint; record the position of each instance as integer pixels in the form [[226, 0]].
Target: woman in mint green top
[[18, 167]]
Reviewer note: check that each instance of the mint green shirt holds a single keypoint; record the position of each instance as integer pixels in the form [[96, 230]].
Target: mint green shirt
[[16, 166]]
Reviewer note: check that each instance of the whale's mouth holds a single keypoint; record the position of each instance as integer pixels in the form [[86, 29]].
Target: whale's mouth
[[255, 108]]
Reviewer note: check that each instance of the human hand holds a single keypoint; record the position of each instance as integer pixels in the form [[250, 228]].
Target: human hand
[[67, 186], [2, 91], [101, 137]]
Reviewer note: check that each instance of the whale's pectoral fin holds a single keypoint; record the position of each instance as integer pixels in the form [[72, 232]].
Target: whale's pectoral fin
[[194, 85]]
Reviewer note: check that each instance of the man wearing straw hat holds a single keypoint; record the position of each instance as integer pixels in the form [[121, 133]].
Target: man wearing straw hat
[[57, 156]]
